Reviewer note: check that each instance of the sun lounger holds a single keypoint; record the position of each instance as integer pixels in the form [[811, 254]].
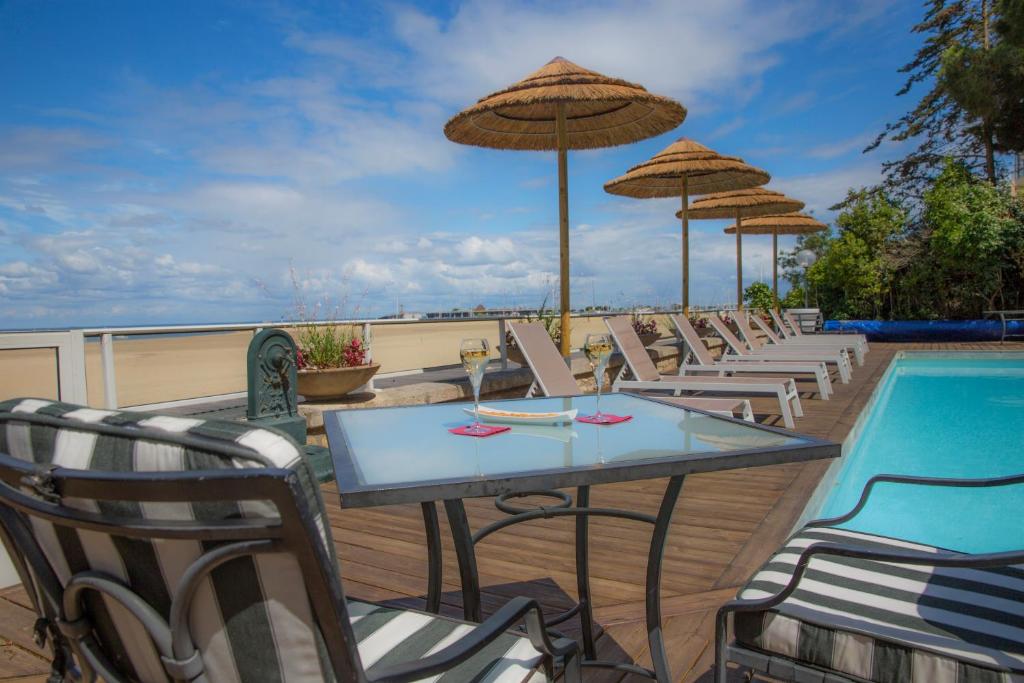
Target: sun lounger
[[647, 378], [740, 352], [554, 378], [162, 548], [838, 604], [852, 346], [743, 324], [790, 328], [706, 363]]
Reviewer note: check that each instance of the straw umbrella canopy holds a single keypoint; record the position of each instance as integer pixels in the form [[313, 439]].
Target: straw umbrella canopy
[[739, 203], [562, 106], [684, 168], [782, 224]]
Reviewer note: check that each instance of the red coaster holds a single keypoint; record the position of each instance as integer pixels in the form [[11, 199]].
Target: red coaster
[[480, 430], [604, 419]]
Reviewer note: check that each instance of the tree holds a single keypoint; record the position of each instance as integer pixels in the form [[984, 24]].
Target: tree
[[987, 82], [816, 243], [944, 127], [974, 242], [852, 276], [758, 296]]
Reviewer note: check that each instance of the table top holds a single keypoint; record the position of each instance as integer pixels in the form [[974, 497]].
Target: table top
[[406, 454]]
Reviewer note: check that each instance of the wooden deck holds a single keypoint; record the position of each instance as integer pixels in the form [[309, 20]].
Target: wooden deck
[[725, 526]]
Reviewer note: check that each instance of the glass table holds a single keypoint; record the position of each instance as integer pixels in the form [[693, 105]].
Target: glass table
[[385, 456]]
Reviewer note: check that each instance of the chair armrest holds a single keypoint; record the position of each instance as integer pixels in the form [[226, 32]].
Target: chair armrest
[[919, 481], [514, 611]]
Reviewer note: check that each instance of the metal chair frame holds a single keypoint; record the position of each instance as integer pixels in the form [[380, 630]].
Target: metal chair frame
[[29, 490]]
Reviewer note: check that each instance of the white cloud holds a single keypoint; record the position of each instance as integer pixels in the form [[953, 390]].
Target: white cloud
[[822, 190], [831, 150]]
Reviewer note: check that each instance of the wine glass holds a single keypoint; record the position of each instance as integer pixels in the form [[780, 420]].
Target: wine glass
[[598, 349], [475, 354]]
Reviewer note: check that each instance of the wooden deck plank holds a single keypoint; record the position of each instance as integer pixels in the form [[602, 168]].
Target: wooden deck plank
[[725, 525]]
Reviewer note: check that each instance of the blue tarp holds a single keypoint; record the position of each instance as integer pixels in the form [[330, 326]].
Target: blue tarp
[[927, 330]]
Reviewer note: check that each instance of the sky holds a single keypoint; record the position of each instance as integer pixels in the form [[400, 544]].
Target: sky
[[220, 160]]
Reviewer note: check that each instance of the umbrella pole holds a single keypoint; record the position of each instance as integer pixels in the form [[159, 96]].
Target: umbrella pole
[[775, 269], [563, 223], [739, 262], [686, 245]]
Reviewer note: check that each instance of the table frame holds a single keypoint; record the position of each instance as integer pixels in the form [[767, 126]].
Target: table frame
[[544, 483]]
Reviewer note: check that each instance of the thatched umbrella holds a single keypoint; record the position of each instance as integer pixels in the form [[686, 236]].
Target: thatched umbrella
[[560, 107], [782, 224], [739, 203], [682, 169]]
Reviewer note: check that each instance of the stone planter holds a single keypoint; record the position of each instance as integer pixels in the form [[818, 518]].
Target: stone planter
[[319, 385]]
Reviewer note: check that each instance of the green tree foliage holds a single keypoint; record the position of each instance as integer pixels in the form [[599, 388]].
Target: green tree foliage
[[987, 81], [794, 298], [851, 277], [974, 242], [759, 296], [963, 255]]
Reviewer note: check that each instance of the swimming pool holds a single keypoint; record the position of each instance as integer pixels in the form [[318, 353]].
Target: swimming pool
[[938, 415]]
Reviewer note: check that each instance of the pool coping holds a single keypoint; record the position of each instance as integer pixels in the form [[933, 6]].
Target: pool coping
[[828, 480]]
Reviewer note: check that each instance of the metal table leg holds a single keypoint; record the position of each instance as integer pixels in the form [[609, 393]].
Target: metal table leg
[[466, 554], [655, 638], [583, 574], [465, 550], [435, 567]]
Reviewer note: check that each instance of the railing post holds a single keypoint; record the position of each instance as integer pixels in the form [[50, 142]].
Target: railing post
[[109, 374], [76, 390], [368, 343], [502, 344]]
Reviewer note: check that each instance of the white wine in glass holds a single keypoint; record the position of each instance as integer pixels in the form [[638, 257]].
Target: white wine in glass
[[598, 349], [475, 354]]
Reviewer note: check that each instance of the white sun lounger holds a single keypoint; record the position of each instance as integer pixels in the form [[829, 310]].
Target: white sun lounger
[[554, 378], [647, 378], [790, 329], [804, 342], [740, 352], [726, 368]]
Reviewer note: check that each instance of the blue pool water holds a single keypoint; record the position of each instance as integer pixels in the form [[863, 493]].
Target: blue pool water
[[940, 415]]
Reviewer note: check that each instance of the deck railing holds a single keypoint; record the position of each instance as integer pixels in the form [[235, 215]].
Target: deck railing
[[75, 356]]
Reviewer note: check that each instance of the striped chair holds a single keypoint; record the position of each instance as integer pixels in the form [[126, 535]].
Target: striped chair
[[162, 548], [840, 605]]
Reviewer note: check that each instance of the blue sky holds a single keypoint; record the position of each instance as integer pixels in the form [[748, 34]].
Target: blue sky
[[187, 161]]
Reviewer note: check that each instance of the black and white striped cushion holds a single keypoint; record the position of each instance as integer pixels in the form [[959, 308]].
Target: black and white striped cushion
[[251, 620], [887, 622], [389, 636]]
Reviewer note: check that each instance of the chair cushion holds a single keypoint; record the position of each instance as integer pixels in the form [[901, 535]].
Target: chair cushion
[[389, 636], [252, 619], [884, 622]]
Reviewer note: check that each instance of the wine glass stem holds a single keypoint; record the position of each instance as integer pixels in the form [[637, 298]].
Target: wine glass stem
[[476, 405], [597, 378]]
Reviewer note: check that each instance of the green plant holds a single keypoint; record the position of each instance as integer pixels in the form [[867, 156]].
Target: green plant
[[794, 298], [759, 296], [323, 345], [546, 317]]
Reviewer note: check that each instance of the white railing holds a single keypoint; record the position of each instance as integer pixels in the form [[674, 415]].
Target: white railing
[[70, 346]]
